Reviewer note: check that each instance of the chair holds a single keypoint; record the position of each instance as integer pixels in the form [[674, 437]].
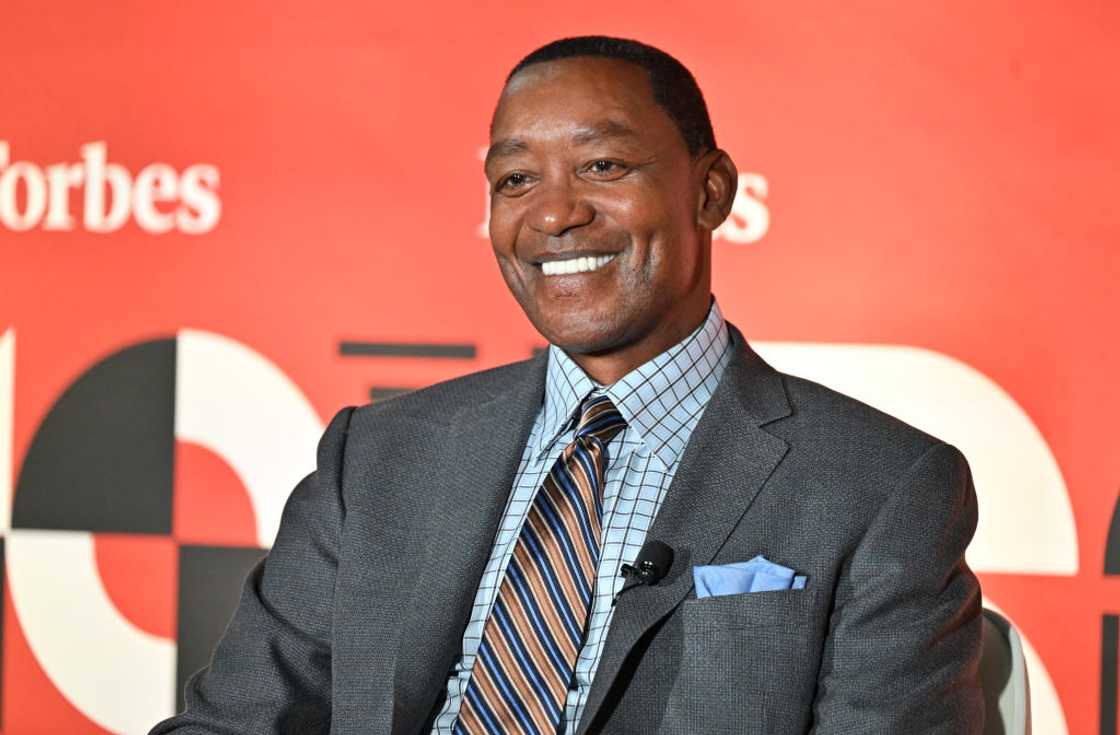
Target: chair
[[1003, 677]]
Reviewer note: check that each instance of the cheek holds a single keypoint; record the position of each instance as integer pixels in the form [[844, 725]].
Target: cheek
[[503, 227], [659, 250], [648, 214]]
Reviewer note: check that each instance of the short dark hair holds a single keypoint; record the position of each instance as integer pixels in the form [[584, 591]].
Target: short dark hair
[[674, 88]]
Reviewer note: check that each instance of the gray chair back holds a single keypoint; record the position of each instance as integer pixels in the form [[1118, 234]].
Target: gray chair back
[[1003, 676]]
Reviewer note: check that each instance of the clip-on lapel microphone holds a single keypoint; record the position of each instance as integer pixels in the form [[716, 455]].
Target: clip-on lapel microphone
[[651, 566]]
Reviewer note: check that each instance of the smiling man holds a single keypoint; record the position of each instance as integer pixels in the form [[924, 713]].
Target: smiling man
[[602, 210], [644, 529]]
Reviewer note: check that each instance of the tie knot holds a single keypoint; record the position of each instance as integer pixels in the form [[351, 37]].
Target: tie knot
[[600, 419]]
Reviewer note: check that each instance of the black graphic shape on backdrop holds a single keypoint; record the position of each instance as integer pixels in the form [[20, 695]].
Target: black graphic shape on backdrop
[[351, 348], [102, 458], [437, 350], [1112, 544], [1110, 635], [381, 392], [210, 580], [1110, 645]]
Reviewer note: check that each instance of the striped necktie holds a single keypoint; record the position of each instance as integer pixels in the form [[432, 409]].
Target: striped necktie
[[532, 638]]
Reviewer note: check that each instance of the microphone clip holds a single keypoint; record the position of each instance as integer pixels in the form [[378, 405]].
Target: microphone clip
[[644, 573], [648, 569]]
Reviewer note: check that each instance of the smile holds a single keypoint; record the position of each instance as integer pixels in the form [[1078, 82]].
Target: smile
[[585, 264]]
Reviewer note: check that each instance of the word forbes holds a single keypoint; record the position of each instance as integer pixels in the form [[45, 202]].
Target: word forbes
[[158, 198]]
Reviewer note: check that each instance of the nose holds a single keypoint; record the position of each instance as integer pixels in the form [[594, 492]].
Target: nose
[[557, 208]]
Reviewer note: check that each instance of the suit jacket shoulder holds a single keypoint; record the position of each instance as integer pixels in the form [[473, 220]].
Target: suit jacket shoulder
[[849, 440], [396, 444], [440, 402]]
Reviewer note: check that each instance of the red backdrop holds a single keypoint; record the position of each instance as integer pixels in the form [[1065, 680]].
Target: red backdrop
[[934, 175]]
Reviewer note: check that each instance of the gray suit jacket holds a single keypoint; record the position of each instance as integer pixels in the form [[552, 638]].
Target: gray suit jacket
[[354, 620]]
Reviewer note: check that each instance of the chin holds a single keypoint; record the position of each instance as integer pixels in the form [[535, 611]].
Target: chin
[[583, 336]]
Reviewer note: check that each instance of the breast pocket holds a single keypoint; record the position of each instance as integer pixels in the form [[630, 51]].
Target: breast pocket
[[741, 654], [782, 608]]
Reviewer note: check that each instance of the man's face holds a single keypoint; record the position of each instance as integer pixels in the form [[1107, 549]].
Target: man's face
[[594, 207]]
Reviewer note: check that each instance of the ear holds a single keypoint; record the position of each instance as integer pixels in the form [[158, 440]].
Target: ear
[[719, 183]]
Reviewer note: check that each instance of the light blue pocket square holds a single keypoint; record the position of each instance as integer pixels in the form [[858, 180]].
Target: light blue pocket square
[[756, 575]]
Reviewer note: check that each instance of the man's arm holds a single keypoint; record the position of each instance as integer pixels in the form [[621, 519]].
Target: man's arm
[[271, 672], [902, 654]]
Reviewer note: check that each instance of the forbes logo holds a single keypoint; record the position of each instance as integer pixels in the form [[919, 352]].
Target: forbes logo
[[158, 198]]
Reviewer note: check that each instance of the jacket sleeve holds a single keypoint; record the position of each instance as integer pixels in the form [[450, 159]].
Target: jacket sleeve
[[271, 671], [902, 653]]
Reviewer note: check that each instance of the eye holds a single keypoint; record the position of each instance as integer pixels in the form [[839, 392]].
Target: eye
[[605, 169], [512, 183]]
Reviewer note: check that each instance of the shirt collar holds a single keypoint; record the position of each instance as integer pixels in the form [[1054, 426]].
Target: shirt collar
[[661, 400]]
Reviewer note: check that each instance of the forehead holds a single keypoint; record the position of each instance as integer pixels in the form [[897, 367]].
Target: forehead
[[578, 92]]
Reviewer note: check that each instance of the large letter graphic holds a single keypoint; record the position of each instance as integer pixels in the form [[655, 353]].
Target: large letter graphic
[[227, 398]]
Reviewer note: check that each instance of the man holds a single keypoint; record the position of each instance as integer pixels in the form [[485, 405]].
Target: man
[[453, 564]]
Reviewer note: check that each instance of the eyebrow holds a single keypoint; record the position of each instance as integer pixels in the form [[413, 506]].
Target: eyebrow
[[605, 130], [505, 147]]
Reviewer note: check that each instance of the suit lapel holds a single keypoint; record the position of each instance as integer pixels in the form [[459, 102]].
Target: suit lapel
[[726, 463], [478, 456]]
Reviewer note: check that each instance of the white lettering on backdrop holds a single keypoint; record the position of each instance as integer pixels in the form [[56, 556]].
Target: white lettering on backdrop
[[159, 198]]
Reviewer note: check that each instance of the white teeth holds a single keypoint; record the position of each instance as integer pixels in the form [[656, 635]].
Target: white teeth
[[585, 264]]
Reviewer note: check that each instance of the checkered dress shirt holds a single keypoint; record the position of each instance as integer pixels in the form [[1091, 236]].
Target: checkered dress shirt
[[661, 401]]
